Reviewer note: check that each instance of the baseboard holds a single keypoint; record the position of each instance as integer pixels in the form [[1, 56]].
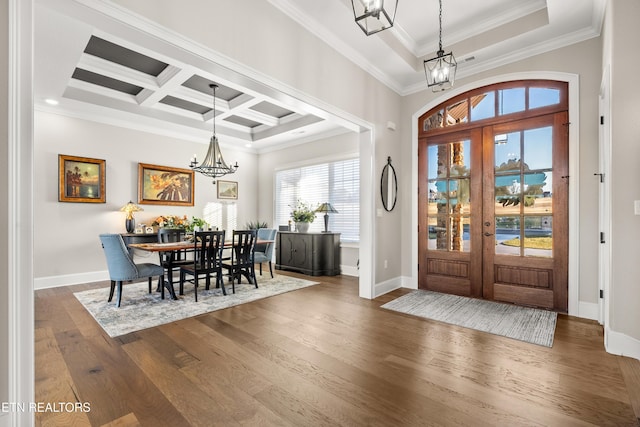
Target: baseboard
[[409, 283], [588, 310], [621, 344], [349, 270], [387, 286], [69, 279]]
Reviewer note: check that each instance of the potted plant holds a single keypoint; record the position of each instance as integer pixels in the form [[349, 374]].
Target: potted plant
[[251, 225], [303, 215], [197, 224]]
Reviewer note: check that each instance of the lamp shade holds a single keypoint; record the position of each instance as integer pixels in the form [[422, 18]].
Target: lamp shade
[[326, 208], [441, 71]]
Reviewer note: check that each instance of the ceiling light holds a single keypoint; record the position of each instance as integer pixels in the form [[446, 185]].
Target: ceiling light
[[373, 16], [441, 70], [213, 164], [51, 101]]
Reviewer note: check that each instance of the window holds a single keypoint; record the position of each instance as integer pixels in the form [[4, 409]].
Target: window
[[223, 215], [335, 182]]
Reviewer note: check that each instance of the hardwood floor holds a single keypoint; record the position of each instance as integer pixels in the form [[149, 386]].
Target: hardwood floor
[[323, 356]]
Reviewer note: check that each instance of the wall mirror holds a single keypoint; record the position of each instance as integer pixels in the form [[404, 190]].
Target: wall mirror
[[389, 186]]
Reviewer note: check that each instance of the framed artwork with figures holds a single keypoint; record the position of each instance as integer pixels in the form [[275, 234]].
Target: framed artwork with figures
[[164, 185]]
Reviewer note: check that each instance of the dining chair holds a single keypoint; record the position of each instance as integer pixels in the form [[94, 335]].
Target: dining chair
[[207, 246], [121, 266], [172, 260], [264, 251], [241, 260]]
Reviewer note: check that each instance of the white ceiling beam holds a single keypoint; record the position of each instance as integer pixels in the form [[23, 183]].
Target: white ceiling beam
[[169, 79], [117, 71], [102, 91]]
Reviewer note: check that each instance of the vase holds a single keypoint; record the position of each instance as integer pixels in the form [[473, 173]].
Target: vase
[[302, 227]]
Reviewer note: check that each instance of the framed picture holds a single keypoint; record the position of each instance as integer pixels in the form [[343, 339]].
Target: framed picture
[[227, 190], [164, 185], [81, 179]]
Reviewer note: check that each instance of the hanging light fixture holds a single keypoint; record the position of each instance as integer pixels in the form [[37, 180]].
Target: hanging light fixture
[[213, 164], [441, 70], [373, 16]]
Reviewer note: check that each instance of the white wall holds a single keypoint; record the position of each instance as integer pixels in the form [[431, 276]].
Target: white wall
[[621, 50], [258, 36], [582, 59], [74, 227], [325, 149], [4, 243]]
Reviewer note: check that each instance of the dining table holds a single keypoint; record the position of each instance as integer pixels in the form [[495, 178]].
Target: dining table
[[174, 247]]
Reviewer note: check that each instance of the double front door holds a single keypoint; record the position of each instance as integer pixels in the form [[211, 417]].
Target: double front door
[[493, 212]]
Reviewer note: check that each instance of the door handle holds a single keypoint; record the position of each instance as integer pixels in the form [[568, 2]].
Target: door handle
[[488, 234]]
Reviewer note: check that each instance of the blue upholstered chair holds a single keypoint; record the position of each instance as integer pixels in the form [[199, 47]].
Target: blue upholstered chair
[[121, 266], [264, 251]]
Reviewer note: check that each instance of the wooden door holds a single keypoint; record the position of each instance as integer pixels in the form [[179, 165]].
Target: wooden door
[[493, 212], [450, 213], [525, 212]]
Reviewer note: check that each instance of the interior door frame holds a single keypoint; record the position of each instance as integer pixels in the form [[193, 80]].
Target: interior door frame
[[574, 154], [604, 193]]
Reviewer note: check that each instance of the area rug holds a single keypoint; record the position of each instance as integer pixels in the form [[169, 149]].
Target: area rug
[[521, 323], [141, 310]]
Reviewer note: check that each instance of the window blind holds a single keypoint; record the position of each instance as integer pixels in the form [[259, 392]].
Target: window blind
[[335, 182]]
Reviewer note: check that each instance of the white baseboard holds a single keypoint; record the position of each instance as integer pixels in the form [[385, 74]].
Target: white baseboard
[[69, 279], [621, 344], [387, 286], [588, 310], [349, 270]]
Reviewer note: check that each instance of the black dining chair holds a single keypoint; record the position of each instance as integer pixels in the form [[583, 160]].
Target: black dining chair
[[172, 260], [122, 268], [207, 260], [242, 258]]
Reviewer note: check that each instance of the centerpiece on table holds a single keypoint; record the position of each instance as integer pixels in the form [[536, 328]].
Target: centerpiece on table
[[303, 215], [171, 221]]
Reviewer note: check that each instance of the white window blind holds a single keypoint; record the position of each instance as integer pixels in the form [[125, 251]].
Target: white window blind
[[336, 182]]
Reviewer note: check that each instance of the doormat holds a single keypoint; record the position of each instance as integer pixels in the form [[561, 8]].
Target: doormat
[[531, 325]]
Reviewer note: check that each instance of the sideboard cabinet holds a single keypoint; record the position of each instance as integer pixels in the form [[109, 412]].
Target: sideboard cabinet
[[315, 254]]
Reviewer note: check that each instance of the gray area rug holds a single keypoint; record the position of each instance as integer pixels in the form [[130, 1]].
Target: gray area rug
[[521, 323], [141, 310]]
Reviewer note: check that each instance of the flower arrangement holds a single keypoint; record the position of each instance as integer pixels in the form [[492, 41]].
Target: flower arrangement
[[197, 222], [303, 212], [171, 221]]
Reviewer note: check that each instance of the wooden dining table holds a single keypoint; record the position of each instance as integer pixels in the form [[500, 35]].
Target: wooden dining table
[[177, 247]]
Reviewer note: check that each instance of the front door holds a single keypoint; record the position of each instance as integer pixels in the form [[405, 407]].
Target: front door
[[494, 212]]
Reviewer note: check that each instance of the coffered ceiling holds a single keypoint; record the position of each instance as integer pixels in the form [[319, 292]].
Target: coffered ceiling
[[100, 69]]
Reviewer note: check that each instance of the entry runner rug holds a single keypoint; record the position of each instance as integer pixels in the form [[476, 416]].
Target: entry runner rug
[[141, 310], [521, 323]]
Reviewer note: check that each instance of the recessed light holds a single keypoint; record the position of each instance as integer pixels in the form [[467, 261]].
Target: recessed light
[[248, 145], [51, 101]]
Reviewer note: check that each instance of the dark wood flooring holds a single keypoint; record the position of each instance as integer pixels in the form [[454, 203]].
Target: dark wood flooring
[[322, 356]]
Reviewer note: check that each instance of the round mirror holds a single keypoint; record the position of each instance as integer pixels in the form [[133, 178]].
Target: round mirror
[[389, 186]]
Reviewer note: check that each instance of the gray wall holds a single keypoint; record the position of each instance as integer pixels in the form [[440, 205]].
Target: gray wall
[[4, 202], [621, 49], [75, 226]]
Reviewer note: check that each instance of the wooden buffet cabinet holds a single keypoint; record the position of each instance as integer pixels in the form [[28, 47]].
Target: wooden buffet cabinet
[[315, 254]]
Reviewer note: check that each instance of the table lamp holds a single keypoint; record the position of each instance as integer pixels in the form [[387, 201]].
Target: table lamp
[[326, 208], [130, 222]]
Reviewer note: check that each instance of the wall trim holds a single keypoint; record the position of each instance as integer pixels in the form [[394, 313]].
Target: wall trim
[[349, 270], [621, 344], [588, 310], [387, 286], [70, 279], [574, 150], [4, 420]]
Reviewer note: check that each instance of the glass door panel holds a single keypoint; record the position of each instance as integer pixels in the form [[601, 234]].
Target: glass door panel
[[449, 199]]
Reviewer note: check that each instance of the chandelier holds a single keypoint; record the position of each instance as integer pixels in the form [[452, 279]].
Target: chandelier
[[441, 70], [373, 16], [213, 164]]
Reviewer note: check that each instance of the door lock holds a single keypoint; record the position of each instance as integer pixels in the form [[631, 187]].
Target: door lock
[[487, 223], [488, 234]]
